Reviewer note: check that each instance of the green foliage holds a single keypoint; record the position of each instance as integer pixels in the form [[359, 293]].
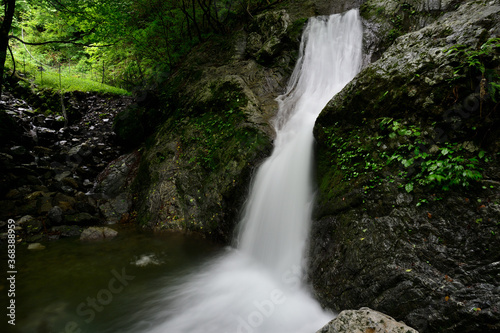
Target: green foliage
[[351, 153], [397, 153], [132, 40], [52, 80], [64, 80], [217, 129], [444, 167], [473, 58], [472, 61]]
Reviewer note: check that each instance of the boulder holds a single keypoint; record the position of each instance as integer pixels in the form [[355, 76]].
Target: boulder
[[267, 30], [117, 175], [365, 320], [81, 219], [98, 233], [43, 204], [55, 215], [116, 209], [36, 246], [389, 233], [66, 230], [112, 187]]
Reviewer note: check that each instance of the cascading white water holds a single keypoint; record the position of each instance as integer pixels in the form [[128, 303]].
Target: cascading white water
[[276, 221], [257, 288]]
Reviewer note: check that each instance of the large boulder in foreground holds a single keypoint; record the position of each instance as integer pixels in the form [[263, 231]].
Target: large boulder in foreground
[[408, 174], [97, 233], [365, 320]]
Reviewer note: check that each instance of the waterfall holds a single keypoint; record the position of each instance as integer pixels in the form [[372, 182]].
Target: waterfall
[[276, 220], [257, 287]]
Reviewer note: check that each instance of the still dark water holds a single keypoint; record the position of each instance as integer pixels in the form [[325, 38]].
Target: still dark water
[[74, 286]]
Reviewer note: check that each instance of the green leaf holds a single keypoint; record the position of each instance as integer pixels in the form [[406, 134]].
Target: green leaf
[[409, 187], [407, 163], [446, 151]]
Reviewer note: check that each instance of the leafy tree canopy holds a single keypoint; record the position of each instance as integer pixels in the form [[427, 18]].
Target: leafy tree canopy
[[129, 39]]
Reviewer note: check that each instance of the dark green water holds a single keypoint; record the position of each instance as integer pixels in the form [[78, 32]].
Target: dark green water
[[74, 286]]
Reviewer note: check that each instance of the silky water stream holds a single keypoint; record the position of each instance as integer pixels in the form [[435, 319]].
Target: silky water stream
[[257, 286], [176, 284]]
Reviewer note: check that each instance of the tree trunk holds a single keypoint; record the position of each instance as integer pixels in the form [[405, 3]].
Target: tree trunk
[[9, 6]]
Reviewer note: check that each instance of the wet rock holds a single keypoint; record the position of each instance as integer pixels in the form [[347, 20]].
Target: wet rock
[[112, 187], [98, 233], [195, 176], [71, 182], [25, 219], [365, 320], [33, 226], [18, 150], [86, 207], [44, 135], [14, 194], [66, 230], [55, 215], [81, 219], [60, 176], [266, 33], [24, 208], [43, 204], [116, 209], [64, 201], [35, 195], [117, 175], [6, 160], [42, 150], [36, 246]]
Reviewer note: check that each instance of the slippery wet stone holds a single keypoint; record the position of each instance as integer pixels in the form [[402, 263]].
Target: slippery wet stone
[[98, 233], [55, 215], [81, 219], [66, 230], [365, 320], [36, 246]]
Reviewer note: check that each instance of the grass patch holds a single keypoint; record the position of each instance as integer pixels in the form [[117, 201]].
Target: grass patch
[[65, 80], [72, 83]]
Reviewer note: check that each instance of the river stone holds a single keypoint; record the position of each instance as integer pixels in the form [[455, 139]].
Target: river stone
[[66, 230], [25, 219], [44, 204], [115, 178], [36, 246], [81, 219], [365, 320], [116, 209], [56, 215], [98, 233]]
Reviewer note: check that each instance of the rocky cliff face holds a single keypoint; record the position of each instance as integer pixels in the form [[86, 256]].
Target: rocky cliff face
[[195, 171], [407, 219]]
